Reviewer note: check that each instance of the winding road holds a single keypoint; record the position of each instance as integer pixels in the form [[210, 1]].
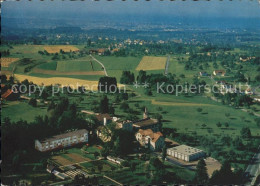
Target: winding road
[[100, 64]]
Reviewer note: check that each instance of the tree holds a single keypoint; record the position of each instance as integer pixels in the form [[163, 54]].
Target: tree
[[219, 124], [245, 133], [257, 78], [100, 167], [133, 166], [89, 42], [33, 102], [199, 109], [141, 78], [164, 153], [107, 84], [96, 154], [224, 176], [51, 105], [104, 105], [104, 152], [124, 106], [3, 78], [201, 176], [148, 91], [127, 77], [226, 125]]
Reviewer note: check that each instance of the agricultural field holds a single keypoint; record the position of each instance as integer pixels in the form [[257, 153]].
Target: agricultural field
[[72, 82], [115, 65], [22, 111], [6, 61], [78, 65], [82, 68], [152, 63], [56, 48]]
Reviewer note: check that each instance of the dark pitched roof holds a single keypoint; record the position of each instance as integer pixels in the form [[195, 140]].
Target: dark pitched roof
[[6, 94], [100, 117], [145, 122]]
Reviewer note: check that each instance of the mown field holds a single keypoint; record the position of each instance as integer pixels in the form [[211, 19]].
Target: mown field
[[6, 61], [63, 81], [58, 48], [17, 110], [152, 63], [115, 65], [78, 65]]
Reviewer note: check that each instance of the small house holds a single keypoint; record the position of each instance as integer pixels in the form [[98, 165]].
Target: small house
[[219, 72]]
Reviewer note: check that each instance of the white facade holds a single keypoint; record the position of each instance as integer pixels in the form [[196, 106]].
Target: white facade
[[156, 140], [63, 140], [185, 153]]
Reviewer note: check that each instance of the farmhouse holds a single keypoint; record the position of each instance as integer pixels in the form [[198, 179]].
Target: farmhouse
[[146, 123], [99, 51], [104, 119], [185, 153], [62, 140], [150, 139], [203, 74], [245, 59], [248, 91], [219, 72], [8, 94]]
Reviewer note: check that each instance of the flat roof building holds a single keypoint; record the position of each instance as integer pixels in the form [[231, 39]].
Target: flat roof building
[[186, 153], [62, 140]]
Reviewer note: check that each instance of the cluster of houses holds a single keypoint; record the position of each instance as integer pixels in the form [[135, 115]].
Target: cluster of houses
[[245, 59], [101, 51], [146, 132], [215, 73]]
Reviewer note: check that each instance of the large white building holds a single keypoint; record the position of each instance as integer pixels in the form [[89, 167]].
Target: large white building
[[62, 140], [185, 153]]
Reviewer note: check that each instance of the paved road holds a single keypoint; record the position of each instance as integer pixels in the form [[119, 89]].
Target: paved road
[[253, 169], [167, 65], [112, 180], [100, 64]]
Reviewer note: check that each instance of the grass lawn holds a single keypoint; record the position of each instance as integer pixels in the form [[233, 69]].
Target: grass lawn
[[106, 167], [48, 66], [115, 65], [127, 177], [17, 110], [179, 171], [82, 64], [80, 77], [175, 110]]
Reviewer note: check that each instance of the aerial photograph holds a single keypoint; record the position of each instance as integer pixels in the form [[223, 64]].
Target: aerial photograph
[[128, 92]]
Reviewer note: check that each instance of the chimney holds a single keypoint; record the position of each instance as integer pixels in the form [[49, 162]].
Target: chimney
[[105, 121]]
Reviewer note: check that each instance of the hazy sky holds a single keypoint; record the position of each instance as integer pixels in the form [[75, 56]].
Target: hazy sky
[[188, 8]]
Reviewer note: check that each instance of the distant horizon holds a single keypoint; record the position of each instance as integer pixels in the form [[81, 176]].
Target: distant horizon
[[220, 14], [77, 9]]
